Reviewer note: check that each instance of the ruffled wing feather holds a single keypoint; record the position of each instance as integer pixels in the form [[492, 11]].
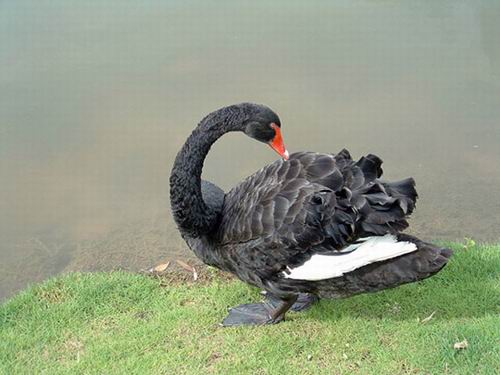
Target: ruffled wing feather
[[314, 200]]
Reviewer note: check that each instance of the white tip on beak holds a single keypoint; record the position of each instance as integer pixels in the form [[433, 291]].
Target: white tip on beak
[[286, 155]]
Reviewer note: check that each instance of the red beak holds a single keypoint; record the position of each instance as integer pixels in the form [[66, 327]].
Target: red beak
[[277, 143]]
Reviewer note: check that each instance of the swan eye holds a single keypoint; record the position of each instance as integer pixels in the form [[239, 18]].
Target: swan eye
[[259, 131]]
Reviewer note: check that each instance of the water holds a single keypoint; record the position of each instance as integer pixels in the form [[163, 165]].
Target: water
[[97, 97]]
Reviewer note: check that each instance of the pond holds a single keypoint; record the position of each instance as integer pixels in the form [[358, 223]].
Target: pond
[[96, 98]]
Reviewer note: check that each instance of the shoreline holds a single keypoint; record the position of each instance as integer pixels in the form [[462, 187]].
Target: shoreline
[[124, 322]]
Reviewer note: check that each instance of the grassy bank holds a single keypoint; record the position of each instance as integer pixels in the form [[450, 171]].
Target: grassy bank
[[122, 323]]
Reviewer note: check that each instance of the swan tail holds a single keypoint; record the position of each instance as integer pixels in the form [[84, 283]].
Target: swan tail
[[424, 262]]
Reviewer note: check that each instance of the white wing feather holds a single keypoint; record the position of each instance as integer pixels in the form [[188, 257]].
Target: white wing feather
[[369, 250]]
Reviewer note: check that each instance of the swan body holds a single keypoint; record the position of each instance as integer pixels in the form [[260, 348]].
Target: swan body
[[312, 225]]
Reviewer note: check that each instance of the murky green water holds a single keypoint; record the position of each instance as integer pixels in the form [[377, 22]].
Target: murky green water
[[97, 97]]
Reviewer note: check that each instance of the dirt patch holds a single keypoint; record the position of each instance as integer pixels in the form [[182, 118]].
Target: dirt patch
[[53, 294], [190, 272]]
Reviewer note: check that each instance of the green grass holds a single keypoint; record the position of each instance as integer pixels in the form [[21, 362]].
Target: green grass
[[123, 323]]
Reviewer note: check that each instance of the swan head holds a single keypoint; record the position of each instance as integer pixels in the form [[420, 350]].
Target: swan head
[[264, 126]]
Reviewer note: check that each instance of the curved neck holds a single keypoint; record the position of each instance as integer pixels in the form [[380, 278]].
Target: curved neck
[[190, 212]]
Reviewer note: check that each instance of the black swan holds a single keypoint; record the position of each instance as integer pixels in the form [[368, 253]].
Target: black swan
[[307, 226]]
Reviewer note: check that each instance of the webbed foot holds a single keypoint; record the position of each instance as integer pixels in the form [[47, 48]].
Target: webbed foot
[[259, 313], [251, 314]]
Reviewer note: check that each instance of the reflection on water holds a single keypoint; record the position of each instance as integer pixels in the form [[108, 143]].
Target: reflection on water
[[97, 97]]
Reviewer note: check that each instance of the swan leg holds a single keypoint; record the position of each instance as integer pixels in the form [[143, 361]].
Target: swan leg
[[258, 313], [304, 301]]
